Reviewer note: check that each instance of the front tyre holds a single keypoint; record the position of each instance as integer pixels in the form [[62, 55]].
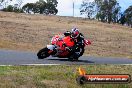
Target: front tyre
[[43, 53]]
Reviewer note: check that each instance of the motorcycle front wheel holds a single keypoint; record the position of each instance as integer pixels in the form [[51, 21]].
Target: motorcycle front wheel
[[43, 53]]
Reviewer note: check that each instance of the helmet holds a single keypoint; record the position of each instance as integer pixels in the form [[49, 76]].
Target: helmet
[[74, 33]]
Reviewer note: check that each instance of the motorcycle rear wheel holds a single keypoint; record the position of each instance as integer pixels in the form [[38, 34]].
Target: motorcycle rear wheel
[[43, 53]]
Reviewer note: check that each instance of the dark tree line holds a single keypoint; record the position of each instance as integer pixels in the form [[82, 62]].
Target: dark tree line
[[11, 8], [128, 15], [42, 7], [107, 11]]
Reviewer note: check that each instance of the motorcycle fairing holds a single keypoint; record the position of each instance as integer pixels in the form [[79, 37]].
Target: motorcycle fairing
[[50, 47]]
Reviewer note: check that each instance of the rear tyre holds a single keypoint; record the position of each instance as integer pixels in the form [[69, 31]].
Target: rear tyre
[[43, 53]]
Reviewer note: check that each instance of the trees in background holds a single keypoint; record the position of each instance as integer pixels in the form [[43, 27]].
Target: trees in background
[[42, 7], [5, 4], [87, 8], [28, 7], [128, 15], [11, 8], [122, 19], [106, 11]]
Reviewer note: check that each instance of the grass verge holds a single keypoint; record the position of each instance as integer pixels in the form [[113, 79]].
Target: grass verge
[[57, 76]]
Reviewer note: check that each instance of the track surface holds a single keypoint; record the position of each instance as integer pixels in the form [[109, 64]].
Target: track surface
[[9, 57]]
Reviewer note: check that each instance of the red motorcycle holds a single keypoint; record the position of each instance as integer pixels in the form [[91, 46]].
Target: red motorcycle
[[60, 47]]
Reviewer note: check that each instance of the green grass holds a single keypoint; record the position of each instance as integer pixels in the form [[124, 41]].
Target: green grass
[[57, 76]]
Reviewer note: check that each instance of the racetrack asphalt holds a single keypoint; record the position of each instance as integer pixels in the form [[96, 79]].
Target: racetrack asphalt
[[10, 57]]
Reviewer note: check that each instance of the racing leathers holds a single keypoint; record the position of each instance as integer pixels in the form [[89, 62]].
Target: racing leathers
[[79, 43]]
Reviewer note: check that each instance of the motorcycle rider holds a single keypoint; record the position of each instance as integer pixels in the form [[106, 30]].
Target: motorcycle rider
[[78, 39], [77, 36]]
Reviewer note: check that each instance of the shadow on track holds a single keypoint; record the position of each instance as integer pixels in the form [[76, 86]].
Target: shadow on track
[[67, 60]]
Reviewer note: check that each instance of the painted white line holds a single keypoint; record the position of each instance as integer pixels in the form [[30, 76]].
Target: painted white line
[[39, 64], [47, 64], [125, 64], [6, 65], [32, 65]]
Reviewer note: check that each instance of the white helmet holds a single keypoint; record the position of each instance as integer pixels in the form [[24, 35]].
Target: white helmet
[[75, 33]]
